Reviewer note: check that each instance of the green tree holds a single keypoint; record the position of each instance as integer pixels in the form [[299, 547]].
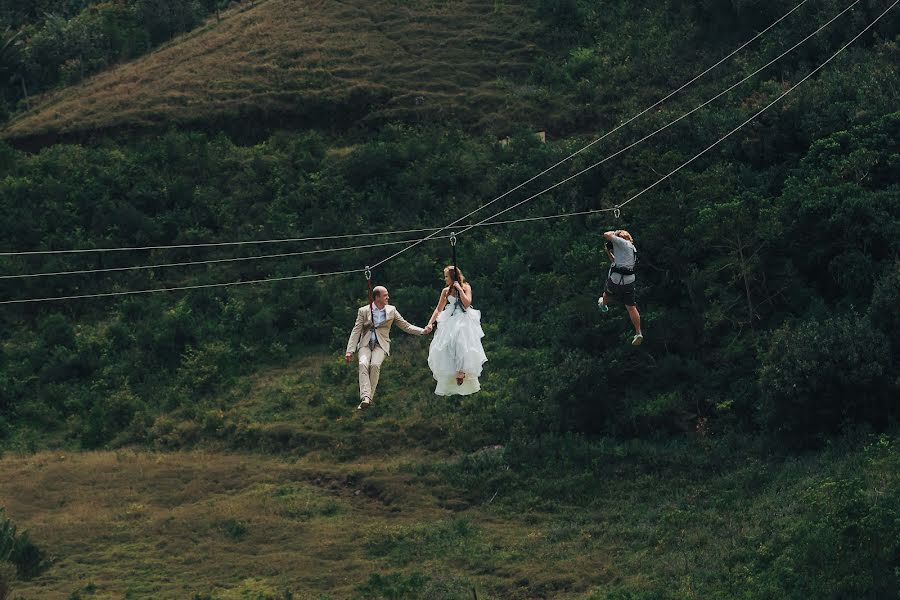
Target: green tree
[[817, 376]]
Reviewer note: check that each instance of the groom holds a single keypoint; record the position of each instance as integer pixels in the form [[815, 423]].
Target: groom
[[375, 344]]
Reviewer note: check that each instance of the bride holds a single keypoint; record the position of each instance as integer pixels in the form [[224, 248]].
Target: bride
[[456, 355]]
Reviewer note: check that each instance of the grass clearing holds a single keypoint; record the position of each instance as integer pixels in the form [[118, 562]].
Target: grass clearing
[[318, 64], [235, 525]]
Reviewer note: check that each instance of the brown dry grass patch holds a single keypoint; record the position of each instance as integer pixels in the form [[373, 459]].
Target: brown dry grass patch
[[325, 63], [169, 525], [157, 523]]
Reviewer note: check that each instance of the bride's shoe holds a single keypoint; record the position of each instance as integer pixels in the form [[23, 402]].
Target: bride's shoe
[[460, 377]]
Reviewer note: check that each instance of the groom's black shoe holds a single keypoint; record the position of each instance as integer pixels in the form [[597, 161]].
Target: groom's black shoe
[[366, 403]]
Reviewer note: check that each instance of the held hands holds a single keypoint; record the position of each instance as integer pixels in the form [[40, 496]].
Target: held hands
[[428, 329]]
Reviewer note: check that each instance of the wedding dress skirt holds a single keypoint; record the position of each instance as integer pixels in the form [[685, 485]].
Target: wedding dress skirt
[[456, 346]]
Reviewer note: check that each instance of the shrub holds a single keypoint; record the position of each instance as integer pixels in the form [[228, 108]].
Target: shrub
[[19, 550], [110, 415], [234, 529], [844, 543], [817, 376]]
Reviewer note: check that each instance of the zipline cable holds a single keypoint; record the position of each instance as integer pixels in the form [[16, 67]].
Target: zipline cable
[[212, 261], [186, 287], [220, 244], [484, 222], [648, 136], [764, 109], [366, 270]]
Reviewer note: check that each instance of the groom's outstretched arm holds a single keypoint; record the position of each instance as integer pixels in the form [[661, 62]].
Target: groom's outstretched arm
[[407, 326]]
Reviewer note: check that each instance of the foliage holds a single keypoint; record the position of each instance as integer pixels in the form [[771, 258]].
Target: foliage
[[842, 542], [60, 42], [17, 548], [739, 313], [817, 376]]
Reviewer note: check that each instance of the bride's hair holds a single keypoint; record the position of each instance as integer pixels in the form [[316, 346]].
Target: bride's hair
[[459, 274]]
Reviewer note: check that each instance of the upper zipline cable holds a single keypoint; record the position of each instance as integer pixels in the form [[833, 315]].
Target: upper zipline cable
[[209, 262], [291, 254], [215, 285], [332, 237], [220, 244]]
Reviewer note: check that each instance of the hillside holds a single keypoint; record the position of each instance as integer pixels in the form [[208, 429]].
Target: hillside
[[316, 64], [204, 443], [602, 521]]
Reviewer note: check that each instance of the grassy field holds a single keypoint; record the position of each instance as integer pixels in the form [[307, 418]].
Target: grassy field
[[273, 491], [326, 63], [226, 525]]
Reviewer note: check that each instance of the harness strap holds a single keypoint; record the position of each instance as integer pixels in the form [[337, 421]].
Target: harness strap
[[371, 309], [455, 275]]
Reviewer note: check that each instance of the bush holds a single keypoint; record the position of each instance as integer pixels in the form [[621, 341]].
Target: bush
[[110, 415], [818, 376], [844, 544], [19, 550], [234, 529]]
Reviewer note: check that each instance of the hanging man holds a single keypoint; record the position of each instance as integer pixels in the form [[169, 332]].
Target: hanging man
[[374, 342], [620, 282]]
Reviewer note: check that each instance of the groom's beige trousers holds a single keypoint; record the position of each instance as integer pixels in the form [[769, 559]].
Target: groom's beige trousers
[[370, 360]]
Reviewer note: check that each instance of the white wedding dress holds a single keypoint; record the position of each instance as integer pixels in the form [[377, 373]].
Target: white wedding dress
[[456, 346]]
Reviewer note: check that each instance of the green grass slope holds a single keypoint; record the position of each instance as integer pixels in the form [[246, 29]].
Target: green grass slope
[[675, 520], [280, 489]]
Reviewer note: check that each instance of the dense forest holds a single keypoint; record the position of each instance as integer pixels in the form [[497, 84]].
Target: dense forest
[[768, 281]]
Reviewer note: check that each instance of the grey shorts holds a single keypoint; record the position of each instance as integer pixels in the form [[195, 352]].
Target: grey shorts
[[623, 293]]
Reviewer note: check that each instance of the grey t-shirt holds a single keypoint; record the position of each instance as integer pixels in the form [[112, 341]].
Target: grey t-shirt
[[623, 256]]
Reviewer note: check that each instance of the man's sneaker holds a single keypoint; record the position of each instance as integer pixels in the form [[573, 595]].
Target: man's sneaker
[[601, 306], [638, 339], [366, 403]]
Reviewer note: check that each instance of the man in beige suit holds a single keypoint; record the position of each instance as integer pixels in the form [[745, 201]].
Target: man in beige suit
[[373, 348]]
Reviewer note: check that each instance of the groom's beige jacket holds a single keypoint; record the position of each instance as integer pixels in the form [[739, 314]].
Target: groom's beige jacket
[[362, 329]]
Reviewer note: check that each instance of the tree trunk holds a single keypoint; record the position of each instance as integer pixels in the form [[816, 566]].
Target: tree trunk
[[24, 91], [740, 247]]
